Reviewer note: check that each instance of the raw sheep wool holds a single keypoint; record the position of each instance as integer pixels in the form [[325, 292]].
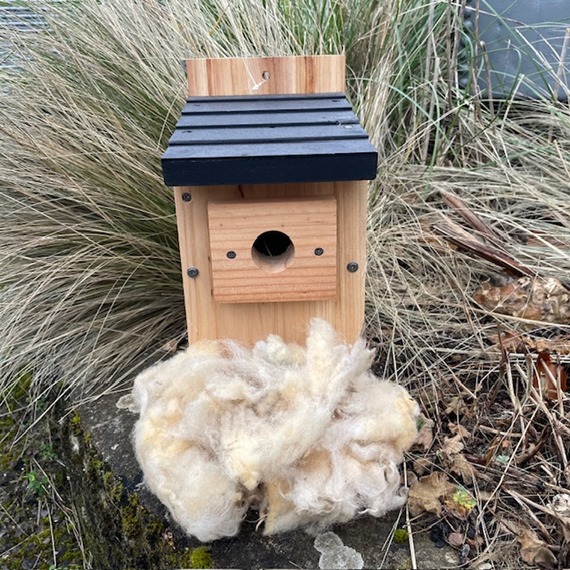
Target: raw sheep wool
[[309, 436]]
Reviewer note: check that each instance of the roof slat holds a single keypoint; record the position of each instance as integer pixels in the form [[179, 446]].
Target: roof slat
[[252, 119], [284, 149], [267, 134]]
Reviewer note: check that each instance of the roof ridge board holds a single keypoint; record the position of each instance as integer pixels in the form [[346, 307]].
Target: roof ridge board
[[284, 97]]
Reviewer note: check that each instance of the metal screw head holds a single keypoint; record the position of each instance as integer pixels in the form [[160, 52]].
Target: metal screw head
[[352, 267], [231, 255], [186, 196], [319, 251], [193, 272]]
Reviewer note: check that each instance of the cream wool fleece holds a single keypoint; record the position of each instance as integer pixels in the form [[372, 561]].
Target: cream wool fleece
[[310, 436]]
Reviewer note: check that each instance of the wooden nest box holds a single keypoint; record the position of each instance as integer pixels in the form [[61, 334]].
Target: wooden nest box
[[269, 166]]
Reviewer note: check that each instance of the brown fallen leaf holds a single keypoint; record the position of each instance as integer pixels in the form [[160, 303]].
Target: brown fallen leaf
[[531, 298], [453, 445], [456, 405], [425, 494], [455, 234], [511, 341], [421, 465], [511, 526], [549, 377], [458, 429], [535, 551], [468, 215], [460, 466], [424, 438], [495, 447]]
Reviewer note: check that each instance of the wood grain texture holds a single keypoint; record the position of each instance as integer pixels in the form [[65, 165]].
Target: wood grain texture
[[253, 276], [246, 76], [250, 322]]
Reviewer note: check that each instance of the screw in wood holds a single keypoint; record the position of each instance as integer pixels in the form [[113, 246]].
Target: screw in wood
[[186, 196], [231, 255], [319, 251], [193, 272], [352, 267]]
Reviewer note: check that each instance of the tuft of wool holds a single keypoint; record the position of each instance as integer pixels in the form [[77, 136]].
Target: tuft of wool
[[308, 435]]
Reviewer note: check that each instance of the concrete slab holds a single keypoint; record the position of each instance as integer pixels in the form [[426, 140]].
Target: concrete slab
[[367, 539]]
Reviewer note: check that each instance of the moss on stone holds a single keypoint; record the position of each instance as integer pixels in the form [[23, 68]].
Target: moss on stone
[[30, 468], [118, 530], [401, 536], [201, 558]]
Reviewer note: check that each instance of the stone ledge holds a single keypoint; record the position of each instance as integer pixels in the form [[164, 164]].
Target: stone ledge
[[127, 527]]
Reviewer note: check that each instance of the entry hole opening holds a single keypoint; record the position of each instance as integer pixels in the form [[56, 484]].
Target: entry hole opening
[[273, 251]]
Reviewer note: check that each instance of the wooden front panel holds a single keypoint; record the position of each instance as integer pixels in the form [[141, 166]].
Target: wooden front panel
[[249, 322], [273, 250]]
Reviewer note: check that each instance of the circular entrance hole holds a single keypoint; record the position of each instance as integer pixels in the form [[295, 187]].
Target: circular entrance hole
[[273, 251]]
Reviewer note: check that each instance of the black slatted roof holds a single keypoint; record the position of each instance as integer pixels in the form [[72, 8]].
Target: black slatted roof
[[268, 139]]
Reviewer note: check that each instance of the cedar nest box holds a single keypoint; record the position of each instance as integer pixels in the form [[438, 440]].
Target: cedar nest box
[[269, 166]]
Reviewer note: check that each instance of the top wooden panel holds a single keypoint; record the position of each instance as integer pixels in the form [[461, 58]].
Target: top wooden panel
[[266, 75]]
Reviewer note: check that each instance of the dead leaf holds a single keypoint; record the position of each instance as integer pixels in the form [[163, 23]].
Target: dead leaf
[[561, 506], [453, 445], [476, 542], [424, 438], [535, 551], [425, 494], [458, 429], [511, 341], [456, 539], [456, 405], [531, 298], [549, 377], [468, 215], [421, 465], [465, 241], [412, 478], [510, 526], [460, 466], [495, 446]]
